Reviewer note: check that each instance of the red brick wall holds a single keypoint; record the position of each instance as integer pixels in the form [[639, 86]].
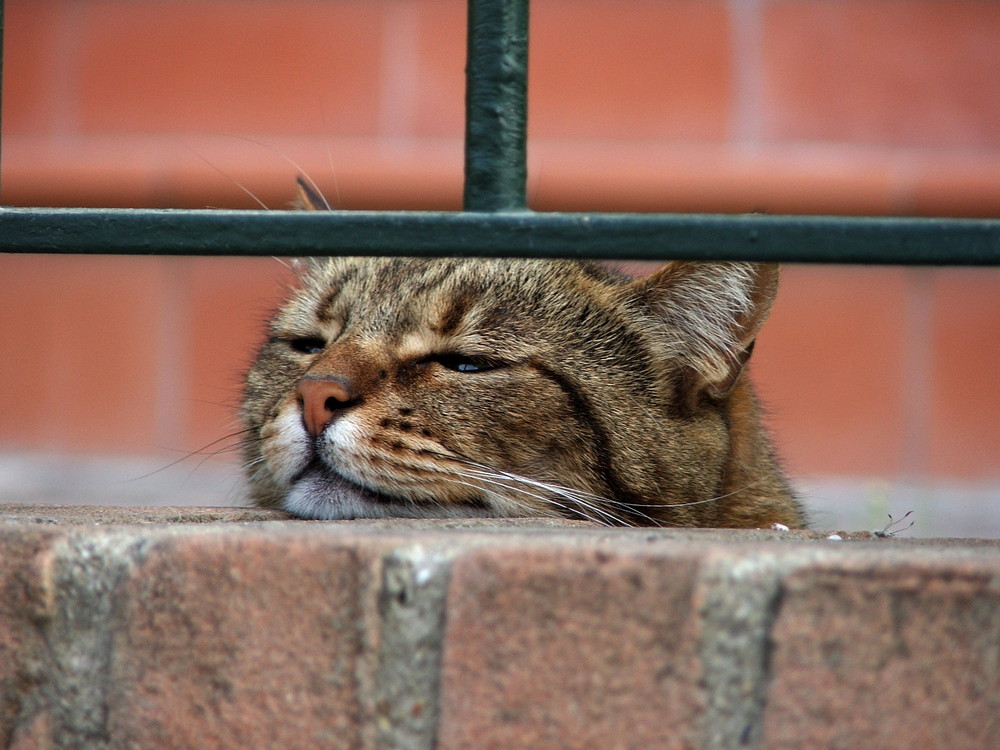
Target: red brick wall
[[486, 634], [839, 106]]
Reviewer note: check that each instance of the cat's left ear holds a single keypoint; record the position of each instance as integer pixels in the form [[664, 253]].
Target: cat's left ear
[[308, 198], [717, 309]]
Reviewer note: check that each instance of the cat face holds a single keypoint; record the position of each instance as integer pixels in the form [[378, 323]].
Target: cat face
[[437, 388]]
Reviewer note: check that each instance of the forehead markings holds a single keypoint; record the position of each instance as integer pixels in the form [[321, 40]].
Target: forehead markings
[[324, 309], [450, 311], [439, 319], [420, 343], [434, 319], [329, 288]]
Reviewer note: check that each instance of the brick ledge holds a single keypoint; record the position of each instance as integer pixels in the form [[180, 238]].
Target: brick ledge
[[157, 629]]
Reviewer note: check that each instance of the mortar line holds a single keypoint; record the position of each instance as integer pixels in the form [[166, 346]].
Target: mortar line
[[747, 73], [87, 573], [412, 604], [916, 390]]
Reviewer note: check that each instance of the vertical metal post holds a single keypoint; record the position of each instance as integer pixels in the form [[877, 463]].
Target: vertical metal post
[[496, 92], [1, 92]]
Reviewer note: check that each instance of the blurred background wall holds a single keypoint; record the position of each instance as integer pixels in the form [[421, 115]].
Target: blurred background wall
[[881, 383]]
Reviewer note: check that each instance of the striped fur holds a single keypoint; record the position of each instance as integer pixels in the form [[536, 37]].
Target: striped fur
[[448, 388]]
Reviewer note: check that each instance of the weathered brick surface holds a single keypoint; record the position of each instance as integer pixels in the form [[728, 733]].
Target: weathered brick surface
[[569, 647], [243, 640], [896, 651], [117, 631], [25, 599], [96, 515]]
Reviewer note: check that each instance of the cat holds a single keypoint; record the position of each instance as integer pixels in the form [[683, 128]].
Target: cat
[[404, 387]]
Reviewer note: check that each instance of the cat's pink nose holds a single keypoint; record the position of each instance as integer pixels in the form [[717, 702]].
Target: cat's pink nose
[[323, 399]]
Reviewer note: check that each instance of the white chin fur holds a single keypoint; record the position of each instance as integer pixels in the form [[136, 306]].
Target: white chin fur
[[327, 497], [291, 448], [324, 495]]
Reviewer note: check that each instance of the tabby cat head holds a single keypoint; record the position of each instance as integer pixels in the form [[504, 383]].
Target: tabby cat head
[[436, 388]]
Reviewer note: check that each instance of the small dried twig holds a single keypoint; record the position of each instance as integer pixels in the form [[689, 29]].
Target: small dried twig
[[893, 527]]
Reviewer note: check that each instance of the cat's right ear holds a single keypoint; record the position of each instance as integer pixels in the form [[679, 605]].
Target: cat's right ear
[[308, 198], [716, 309]]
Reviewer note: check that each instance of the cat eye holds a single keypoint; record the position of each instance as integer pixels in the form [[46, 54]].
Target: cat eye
[[307, 345], [460, 363]]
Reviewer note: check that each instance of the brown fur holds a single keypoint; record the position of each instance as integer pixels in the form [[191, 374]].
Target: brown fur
[[595, 396]]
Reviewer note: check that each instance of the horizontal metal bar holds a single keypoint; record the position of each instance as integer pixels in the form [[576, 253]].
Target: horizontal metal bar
[[812, 239]]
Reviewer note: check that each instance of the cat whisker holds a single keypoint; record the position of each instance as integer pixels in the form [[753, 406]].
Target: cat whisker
[[713, 499], [285, 264], [254, 462], [203, 451], [232, 179], [544, 499], [591, 511], [506, 499], [580, 497], [500, 499], [333, 172], [290, 161]]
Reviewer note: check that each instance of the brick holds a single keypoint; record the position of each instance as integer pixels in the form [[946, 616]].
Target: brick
[[35, 33], [964, 404], [353, 173], [653, 70], [918, 73], [622, 175], [242, 640], [561, 647], [34, 734], [824, 322], [82, 332], [436, 75], [556, 634], [965, 185], [125, 352], [94, 515], [25, 605], [892, 652], [227, 67], [235, 295]]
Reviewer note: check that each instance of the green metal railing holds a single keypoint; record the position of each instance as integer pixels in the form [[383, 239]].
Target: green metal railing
[[495, 220]]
